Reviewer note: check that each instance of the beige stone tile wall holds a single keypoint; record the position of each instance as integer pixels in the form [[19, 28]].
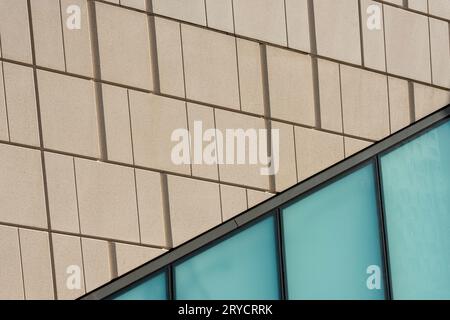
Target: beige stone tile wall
[[88, 190]]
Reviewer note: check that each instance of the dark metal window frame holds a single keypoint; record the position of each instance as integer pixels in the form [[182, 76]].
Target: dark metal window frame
[[273, 206]]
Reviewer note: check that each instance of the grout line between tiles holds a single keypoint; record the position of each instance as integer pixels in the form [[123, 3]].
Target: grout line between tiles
[[412, 102], [62, 35], [220, 203], [342, 106], [137, 204], [112, 254], [232, 13], [238, 73], [389, 104], [134, 168], [386, 67], [430, 49], [286, 23], [316, 92], [21, 264], [295, 154], [182, 63], [131, 127], [74, 234], [4, 93], [361, 35], [312, 27], [41, 142], [216, 146], [82, 262], [166, 210], [101, 126], [267, 109], [151, 25], [206, 13], [185, 101], [76, 193], [246, 197]]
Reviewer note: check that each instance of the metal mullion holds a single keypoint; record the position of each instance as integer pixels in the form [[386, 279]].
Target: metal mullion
[[281, 258], [170, 283], [383, 230]]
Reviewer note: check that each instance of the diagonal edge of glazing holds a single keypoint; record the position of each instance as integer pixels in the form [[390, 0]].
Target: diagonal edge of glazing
[[266, 209]]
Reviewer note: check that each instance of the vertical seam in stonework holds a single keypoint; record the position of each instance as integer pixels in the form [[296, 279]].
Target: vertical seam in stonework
[[166, 210], [312, 27], [191, 168], [182, 61], [342, 106], [295, 154], [237, 71], [220, 202], [97, 76], [237, 58], [21, 264], [185, 95], [206, 13], [286, 23], [216, 146], [217, 164], [112, 255], [267, 111], [361, 37], [82, 263], [386, 67], [131, 127], [406, 3], [232, 13], [4, 90], [62, 35], [412, 102], [388, 91], [314, 65], [137, 205], [41, 145], [431, 53], [384, 39], [246, 197], [151, 24], [316, 92], [134, 169], [76, 193]]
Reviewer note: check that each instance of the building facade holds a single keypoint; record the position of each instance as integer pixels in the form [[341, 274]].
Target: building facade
[[92, 92], [372, 227]]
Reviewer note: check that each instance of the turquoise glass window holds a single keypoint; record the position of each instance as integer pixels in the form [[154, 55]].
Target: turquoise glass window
[[153, 288], [416, 191], [243, 266], [332, 241]]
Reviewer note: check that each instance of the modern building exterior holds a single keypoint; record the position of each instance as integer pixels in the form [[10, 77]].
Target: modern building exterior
[[374, 226], [92, 92]]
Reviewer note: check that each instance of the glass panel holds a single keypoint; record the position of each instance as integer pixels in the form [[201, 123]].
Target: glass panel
[[332, 241], [154, 288], [244, 266], [416, 190]]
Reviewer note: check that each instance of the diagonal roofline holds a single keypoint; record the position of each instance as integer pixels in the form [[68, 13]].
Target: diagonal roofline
[[269, 206]]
